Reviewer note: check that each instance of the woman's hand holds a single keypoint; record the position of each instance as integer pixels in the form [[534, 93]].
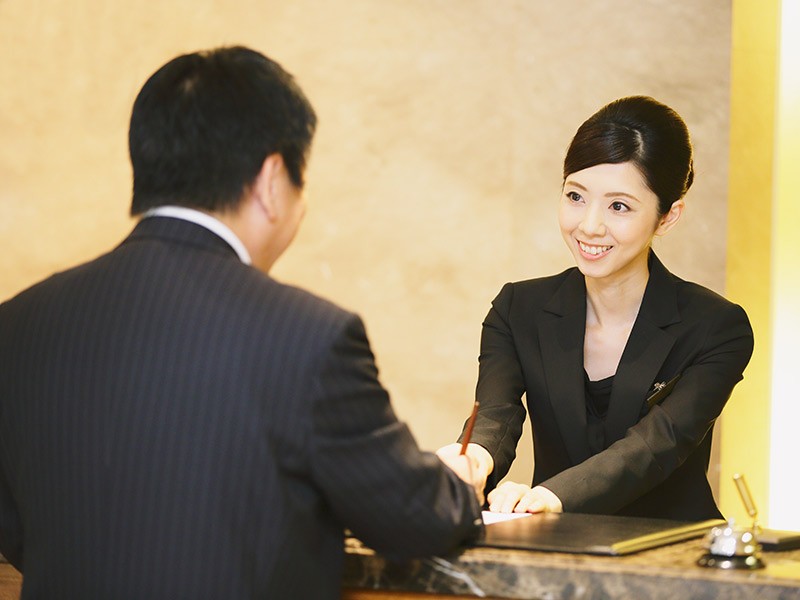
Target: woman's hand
[[519, 498]]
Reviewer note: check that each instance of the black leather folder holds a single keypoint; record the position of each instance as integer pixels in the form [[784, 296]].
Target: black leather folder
[[590, 534], [775, 540]]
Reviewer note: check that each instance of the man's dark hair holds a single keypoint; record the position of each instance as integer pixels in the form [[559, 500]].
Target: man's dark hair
[[203, 124]]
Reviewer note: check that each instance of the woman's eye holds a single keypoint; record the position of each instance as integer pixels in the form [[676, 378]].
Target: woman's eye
[[619, 207], [574, 196]]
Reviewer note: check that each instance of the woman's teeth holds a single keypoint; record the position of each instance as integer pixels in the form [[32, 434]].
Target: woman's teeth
[[594, 250]]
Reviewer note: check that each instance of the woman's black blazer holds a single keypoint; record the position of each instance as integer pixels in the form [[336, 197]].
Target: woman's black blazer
[[656, 458]]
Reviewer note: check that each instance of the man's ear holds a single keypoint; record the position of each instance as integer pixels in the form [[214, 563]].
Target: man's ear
[[669, 220], [266, 186]]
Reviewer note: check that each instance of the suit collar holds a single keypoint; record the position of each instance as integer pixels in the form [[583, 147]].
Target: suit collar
[[206, 220], [660, 301], [561, 333], [659, 304], [570, 297], [182, 232]]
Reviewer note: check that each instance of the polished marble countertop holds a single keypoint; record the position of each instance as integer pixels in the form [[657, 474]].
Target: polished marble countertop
[[669, 572]]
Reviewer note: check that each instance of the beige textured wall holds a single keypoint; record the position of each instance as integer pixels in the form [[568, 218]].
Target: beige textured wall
[[436, 170]]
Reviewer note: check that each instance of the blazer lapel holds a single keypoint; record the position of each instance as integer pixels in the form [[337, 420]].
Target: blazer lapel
[[645, 352], [561, 334]]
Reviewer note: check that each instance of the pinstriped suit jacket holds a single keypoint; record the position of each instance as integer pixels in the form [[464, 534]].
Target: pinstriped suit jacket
[[175, 424]]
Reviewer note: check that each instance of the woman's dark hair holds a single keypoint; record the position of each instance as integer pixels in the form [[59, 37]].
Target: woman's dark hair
[[203, 124], [645, 132]]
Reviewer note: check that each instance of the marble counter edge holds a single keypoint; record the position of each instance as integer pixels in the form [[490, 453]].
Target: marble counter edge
[[522, 574]]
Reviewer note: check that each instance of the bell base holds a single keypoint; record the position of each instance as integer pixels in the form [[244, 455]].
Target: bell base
[[715, 561]]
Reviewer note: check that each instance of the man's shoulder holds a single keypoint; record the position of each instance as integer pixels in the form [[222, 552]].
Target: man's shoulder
[[304, 302], [42, 286], [264, 301], [220, 284]]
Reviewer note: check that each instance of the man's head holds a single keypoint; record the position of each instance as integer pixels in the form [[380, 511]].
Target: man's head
[[204, 123]]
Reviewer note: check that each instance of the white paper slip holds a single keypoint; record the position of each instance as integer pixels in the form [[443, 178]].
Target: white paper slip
[[495, 517]]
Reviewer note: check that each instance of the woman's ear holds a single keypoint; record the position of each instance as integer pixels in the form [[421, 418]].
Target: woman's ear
[[668, 221]]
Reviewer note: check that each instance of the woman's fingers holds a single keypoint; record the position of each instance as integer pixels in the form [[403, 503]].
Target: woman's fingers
[[504, 498], [530, 502], [539, 499], [519, 498]]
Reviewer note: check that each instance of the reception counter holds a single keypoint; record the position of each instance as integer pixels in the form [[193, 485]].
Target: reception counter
[[668, 572]]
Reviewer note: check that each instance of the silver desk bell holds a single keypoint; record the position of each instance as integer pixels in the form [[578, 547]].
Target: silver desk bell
[[731, 547]]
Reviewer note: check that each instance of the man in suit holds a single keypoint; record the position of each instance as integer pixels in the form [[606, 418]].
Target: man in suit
[[174, 423]]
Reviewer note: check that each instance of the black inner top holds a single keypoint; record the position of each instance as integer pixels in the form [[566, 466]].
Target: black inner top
[[598, 396]]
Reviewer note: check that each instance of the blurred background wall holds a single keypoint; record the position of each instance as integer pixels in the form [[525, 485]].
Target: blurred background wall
[[436, 170]]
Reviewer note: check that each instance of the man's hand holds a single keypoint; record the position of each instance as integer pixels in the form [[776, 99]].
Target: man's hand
[[473, 467], [519, 498]]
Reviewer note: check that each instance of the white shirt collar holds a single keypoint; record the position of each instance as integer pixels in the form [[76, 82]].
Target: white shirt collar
[[204, 220]]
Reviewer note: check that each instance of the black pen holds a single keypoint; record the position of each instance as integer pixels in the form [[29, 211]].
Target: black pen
[[470, 425]]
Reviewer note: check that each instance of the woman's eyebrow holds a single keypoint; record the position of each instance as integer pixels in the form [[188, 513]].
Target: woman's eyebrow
[[575, 184], [625, 194]]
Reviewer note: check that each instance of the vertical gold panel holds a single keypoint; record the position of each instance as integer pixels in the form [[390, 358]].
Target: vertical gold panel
[[745, 424]]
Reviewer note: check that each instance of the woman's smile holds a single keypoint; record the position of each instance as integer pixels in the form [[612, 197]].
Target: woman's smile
[[593, 252]]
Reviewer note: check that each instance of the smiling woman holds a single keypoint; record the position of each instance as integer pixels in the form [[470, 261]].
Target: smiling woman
[[608, 217], [624, 366]]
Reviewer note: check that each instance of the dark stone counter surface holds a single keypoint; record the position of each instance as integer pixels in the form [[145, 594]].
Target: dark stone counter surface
[[669, 572], [665, 573]]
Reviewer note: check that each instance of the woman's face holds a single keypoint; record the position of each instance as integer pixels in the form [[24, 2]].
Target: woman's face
[[608, 217]]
